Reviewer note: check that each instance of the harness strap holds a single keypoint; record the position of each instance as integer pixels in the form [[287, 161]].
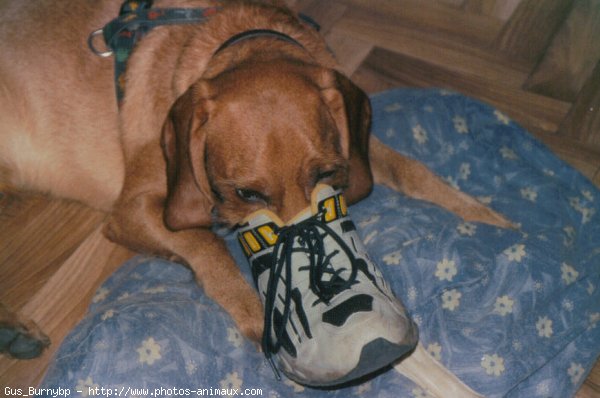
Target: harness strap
[[135, 20]]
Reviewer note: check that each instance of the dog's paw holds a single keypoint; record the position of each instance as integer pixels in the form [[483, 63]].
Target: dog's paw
[[491, 217], [471, 210], [247, 311], [250, 319], [22, 342]]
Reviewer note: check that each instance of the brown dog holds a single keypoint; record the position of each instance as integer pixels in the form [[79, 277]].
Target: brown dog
[[256, 124]]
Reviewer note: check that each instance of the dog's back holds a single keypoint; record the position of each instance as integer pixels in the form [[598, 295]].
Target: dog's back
[[58, 115]]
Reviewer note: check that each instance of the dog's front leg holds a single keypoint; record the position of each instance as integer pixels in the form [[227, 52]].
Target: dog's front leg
[[137, 222], [414, 179]]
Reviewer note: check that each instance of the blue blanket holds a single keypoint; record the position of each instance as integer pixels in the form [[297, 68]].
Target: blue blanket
[[511, 312]]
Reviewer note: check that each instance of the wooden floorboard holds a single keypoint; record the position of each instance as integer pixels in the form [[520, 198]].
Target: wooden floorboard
[[533, 111], [443, 51], [33, 242], [53, 255], [57, 257], [429, 17], [523, 40]]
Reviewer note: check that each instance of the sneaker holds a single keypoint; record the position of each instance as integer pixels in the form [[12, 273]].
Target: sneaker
[[330, 317]]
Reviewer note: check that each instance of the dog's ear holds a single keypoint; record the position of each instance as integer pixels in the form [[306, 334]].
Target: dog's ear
[[189, 201], [351, 110]]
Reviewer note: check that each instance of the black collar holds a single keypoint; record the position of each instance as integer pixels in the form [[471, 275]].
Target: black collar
[[251, 34]]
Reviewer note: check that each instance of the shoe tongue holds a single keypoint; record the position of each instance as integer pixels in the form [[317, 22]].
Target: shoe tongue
[[321, 193]]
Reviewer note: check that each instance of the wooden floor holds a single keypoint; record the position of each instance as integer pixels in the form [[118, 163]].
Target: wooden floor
[[53, 255]]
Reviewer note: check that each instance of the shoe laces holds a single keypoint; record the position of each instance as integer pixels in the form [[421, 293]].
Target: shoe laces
[[324, 280]]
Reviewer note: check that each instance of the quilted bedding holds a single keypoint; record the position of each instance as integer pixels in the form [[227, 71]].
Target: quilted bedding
[[512, 313]]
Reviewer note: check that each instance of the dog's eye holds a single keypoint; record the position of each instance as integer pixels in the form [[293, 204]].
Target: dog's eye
[[249, 195], [323, 175], [335, 176]]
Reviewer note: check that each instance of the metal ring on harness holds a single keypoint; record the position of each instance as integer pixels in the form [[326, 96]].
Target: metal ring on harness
[[90, 42]]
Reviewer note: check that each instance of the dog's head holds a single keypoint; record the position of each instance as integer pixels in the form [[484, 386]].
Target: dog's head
[[263, 135]]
